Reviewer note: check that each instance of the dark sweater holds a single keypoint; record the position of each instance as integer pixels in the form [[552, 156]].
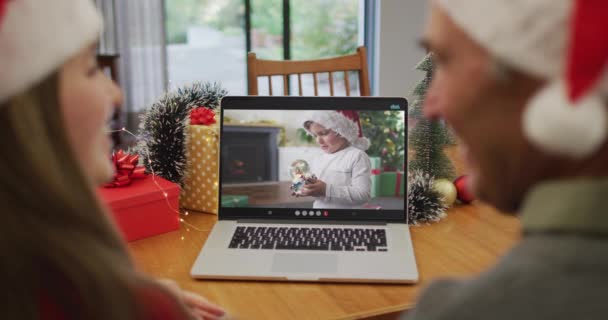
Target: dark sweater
[[558, 271]]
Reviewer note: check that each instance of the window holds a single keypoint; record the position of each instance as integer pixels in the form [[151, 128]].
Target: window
[[207, 40]]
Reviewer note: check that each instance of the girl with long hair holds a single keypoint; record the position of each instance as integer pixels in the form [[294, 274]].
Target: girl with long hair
[[61, 256]]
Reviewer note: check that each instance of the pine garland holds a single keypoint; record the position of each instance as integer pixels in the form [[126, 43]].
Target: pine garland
[[423, 202], [203, 95], [163, 128]]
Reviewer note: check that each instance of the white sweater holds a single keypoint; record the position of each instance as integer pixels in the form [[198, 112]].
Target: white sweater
[[347, 175]]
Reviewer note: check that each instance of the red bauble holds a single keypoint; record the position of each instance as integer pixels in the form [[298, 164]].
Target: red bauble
[[462, 189]]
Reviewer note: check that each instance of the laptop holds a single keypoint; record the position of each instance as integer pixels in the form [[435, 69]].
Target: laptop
[[270, 229]]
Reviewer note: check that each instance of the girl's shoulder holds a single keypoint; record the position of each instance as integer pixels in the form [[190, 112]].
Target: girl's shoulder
[[155, 303], [152, 304]]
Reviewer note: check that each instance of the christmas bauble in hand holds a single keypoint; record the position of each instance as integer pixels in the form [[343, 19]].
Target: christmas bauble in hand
[[298, 168], [300, 174], [463, 193], [446, 190]]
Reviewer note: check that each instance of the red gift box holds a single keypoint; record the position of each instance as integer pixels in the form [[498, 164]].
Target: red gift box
[[140, 209]]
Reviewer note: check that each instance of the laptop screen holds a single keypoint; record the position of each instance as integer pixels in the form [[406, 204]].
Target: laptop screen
[[313, 158]]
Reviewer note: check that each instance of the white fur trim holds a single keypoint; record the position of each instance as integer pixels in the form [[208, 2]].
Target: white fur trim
[[529, 35], [37, 37], [512, 33], [553, 124], [339, 123], [361, 143]]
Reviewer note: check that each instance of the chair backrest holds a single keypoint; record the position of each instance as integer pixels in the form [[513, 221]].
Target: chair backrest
[[343, 64]]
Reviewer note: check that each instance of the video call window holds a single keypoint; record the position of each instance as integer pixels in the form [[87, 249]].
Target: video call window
[[322, 159]]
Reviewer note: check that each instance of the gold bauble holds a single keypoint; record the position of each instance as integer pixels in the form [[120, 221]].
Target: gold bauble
[[447, 191]]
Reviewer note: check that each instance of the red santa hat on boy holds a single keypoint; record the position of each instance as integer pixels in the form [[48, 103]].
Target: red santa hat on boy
[[562, 41], [344, 122], [38, 36]]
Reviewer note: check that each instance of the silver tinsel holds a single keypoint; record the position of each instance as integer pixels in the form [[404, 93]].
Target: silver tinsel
[[163, 128], [423, 202]]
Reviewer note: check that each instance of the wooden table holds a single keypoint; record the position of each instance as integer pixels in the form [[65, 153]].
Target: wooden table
[[468, 241]]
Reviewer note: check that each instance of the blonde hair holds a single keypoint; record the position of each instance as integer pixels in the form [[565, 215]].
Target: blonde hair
[[56, 241]]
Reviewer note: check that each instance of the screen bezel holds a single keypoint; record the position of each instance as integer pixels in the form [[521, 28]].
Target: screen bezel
[[312, 103]]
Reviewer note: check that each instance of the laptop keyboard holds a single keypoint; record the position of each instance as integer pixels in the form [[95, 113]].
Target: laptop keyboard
[[295, 238]]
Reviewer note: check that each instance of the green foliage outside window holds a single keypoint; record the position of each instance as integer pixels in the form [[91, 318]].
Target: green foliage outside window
[[320, 28]]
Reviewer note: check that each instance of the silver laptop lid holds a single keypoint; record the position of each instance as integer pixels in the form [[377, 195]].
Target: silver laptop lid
[[313, 158]]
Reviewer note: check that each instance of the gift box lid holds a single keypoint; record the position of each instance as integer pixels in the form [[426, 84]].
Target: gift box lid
[[139, 192]]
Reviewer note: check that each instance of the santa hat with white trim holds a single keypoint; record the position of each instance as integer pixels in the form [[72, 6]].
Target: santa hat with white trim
[[562, 41], [38, 36], [344, 122]]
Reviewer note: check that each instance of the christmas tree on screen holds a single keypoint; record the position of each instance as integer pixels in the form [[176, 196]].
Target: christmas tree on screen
[[386, 136]]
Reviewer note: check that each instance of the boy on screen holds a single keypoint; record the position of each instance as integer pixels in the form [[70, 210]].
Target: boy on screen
[[343, 170]]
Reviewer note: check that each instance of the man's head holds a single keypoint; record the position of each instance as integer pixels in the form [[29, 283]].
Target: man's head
[[483, 85]]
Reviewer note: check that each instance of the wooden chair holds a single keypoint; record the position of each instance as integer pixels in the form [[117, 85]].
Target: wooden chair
[[268, 68]]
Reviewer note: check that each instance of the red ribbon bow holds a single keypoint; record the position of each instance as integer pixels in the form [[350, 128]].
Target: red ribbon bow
[[126, 169], [202, 115]]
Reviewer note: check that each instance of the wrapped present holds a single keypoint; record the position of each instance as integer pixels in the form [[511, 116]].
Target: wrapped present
[[200, 185], [375, 189], [146, 207], [392, 184], [234, 201], [376, 162]]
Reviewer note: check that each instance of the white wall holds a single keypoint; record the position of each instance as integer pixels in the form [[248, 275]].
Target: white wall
[[401, 23]]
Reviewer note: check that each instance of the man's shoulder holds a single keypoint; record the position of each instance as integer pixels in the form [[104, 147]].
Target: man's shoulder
[[556, 277]]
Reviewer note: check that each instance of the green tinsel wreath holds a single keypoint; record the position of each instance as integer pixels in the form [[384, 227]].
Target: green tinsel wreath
[[423, 202], [163, 128]]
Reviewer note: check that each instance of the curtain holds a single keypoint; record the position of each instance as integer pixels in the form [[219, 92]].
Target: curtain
[[134, 30]]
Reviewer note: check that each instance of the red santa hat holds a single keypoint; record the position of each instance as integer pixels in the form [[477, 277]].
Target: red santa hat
[[344, 122], [37, 37], [562, 41]]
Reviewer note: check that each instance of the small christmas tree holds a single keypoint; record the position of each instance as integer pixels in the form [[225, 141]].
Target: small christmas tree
[[386, 136], [428, 138]]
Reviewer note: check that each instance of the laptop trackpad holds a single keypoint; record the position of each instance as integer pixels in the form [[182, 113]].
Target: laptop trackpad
[[305, 263]]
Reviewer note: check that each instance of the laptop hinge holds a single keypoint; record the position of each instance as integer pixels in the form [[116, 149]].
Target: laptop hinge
[[328, 222]]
